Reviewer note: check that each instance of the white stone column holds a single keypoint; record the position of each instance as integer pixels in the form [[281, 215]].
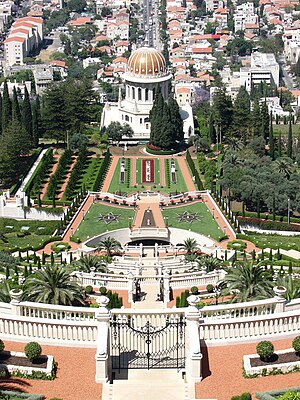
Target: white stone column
[[102, 352], [192, 343], [16, 295], [166, 279], [130, 287], [279, 296]]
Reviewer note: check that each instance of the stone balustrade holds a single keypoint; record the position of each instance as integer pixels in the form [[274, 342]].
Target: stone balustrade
[[239, 310], [254, 328]]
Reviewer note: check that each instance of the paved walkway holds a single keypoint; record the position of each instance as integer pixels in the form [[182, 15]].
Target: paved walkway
[[222, 369], [148, 385], [64, 185], [162, 172], [78, 218], [54, 167], [186, 173], [149, 290], [75, 376], [143, 204], [133, 171], [110, 173]]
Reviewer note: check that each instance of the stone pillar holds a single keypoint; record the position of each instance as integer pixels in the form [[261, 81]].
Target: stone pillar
[[130, 287], [141, 249], [16, 295], [279, 296], [193, 349], [102, 352], [166, 287]]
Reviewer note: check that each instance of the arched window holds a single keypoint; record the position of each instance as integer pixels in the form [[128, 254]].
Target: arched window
[[133, 93], [139, 93], [126, 118], [147, 94], [153, 94], [147, 126]]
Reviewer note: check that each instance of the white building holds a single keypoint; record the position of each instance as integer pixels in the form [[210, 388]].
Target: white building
[[146, 73], [264, 68], [26, 35], [244, 14]]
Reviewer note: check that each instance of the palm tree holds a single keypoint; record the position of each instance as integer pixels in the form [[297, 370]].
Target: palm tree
[[247, 281], [110, 245], [209, 263], [87, 262], [292, 286], [52, 285], [190, 245], [284, 165]]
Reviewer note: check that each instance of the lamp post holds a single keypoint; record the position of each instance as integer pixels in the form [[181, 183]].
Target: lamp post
[[82, 215], [288, 216], [213, 213]]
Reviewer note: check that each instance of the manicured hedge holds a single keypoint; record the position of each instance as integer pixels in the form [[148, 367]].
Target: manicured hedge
[[160, 152], [35, 183], [269, 225], [76, 173], [20, 395], [102, 172], [195, 172], [22, 175], [273, 394], [59, 176]]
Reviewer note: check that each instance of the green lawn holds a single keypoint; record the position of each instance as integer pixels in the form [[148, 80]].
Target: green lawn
[[116, 186], [284, 129], [273, 241], [91, 226], [180, 185], [24, 233], [206, 225]]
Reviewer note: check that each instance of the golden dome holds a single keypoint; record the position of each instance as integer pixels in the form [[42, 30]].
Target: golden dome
[[147, 61]]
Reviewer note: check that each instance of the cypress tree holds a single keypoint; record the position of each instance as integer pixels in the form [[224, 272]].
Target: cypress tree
[[256, 118], [6, 108], [279, 146], [241, 111], [290, 140], [27, 115], [176, 121], [265, 121], [0, 114], [165, 140], [16, 113], [271, 139], [156, 119], [212, 130], [36, 122]]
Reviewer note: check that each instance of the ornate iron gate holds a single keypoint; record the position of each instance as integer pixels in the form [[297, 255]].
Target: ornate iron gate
[[147, 346]]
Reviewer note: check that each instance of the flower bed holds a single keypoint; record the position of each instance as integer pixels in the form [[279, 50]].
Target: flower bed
[[282, 362], [59, 247], [17, 364], [148, 171]]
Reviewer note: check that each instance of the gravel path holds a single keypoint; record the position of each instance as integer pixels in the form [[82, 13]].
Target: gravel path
[[75, 377]]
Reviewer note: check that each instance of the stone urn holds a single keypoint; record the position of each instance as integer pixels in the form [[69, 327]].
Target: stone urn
[[16, 294], [103, 301], [193, 300], [279, 291]]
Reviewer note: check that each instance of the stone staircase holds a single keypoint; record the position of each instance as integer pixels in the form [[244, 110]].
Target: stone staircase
[[155, 384]]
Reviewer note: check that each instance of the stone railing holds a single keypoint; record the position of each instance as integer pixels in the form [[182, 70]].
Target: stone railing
[[194, 279], [110, 281], [239, 310], [253, 328], [64, 332], [149, 232]]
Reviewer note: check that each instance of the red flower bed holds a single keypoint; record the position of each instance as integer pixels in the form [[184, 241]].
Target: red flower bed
[[148, 171]]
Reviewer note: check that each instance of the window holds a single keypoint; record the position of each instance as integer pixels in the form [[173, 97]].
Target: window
[[141, 120], [133, 93], [126, 118], [139, 94], [147, 126], [147, 94]]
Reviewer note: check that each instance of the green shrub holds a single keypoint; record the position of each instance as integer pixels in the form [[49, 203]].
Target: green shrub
[[246, 396], [103, 290], [32, 350], [296, 344], [209, 288], [2, 345], [290, 396], [265, 349], [89, 289], [194, 290], [236, 398]]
